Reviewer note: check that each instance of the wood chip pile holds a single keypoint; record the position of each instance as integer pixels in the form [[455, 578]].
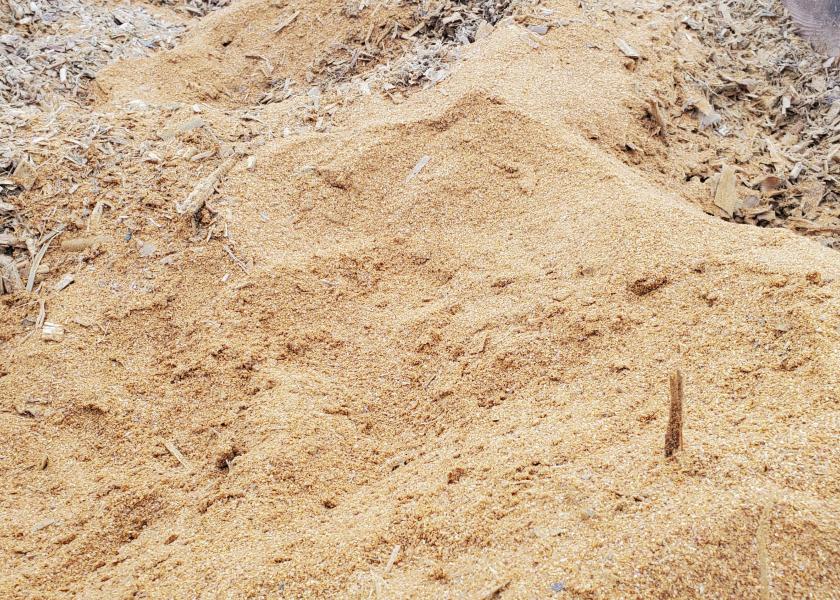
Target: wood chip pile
[[759, 103], [50, 51], [54, 46], [770, 107], [416, 52], [441, 27]]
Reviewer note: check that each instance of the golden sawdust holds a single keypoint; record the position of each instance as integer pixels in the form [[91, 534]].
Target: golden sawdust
[[417, 339]]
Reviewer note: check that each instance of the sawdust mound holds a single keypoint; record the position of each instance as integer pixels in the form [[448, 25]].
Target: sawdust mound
[[441, 370]]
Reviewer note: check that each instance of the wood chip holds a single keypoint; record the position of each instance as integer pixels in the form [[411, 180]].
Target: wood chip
[[659, 116], [25, 174], [168, 133], [770, 184], [413, 31], [83, 243], [392, 559], [626, 49], [10, 281], [43, 524], [42, 314], [421, 164], [83, 321], [484, 30], [9, 240], [285, 22], [96, 216], [726, 194], [52, 332], [64, 282], [706, 112], [201, 192], [173, 450]]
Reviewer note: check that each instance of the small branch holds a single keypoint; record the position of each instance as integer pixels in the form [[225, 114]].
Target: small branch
[[674, 435]]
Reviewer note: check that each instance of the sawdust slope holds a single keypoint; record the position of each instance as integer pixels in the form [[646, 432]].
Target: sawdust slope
[[234, 57], [471, 364]]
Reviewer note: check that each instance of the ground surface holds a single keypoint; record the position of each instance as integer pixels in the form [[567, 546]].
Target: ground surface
[[420, 347]]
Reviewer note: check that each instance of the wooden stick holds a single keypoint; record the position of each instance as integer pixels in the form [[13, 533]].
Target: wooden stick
[[392, 559], [173, 450], [674, 435], [204, 189]]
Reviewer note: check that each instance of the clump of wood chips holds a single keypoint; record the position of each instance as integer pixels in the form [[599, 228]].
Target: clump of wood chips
[[50, 52], [769, 106], [397, 53]]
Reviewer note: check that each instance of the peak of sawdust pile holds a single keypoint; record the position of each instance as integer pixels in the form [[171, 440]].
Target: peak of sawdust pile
[[419, 350]]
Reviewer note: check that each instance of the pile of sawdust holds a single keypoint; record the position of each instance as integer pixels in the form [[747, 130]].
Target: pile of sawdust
[[421, 353]]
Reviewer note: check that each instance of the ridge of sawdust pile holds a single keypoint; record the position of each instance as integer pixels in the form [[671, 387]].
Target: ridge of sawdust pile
[[415, 342], [59, 146]]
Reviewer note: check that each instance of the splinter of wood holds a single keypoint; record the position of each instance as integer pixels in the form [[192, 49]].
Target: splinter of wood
[[204, 189], [674, 435]]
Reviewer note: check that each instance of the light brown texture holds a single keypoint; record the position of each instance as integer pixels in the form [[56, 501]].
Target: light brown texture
[[468, 365]]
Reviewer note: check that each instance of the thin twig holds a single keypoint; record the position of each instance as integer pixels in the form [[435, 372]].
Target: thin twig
[[236, 259]]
